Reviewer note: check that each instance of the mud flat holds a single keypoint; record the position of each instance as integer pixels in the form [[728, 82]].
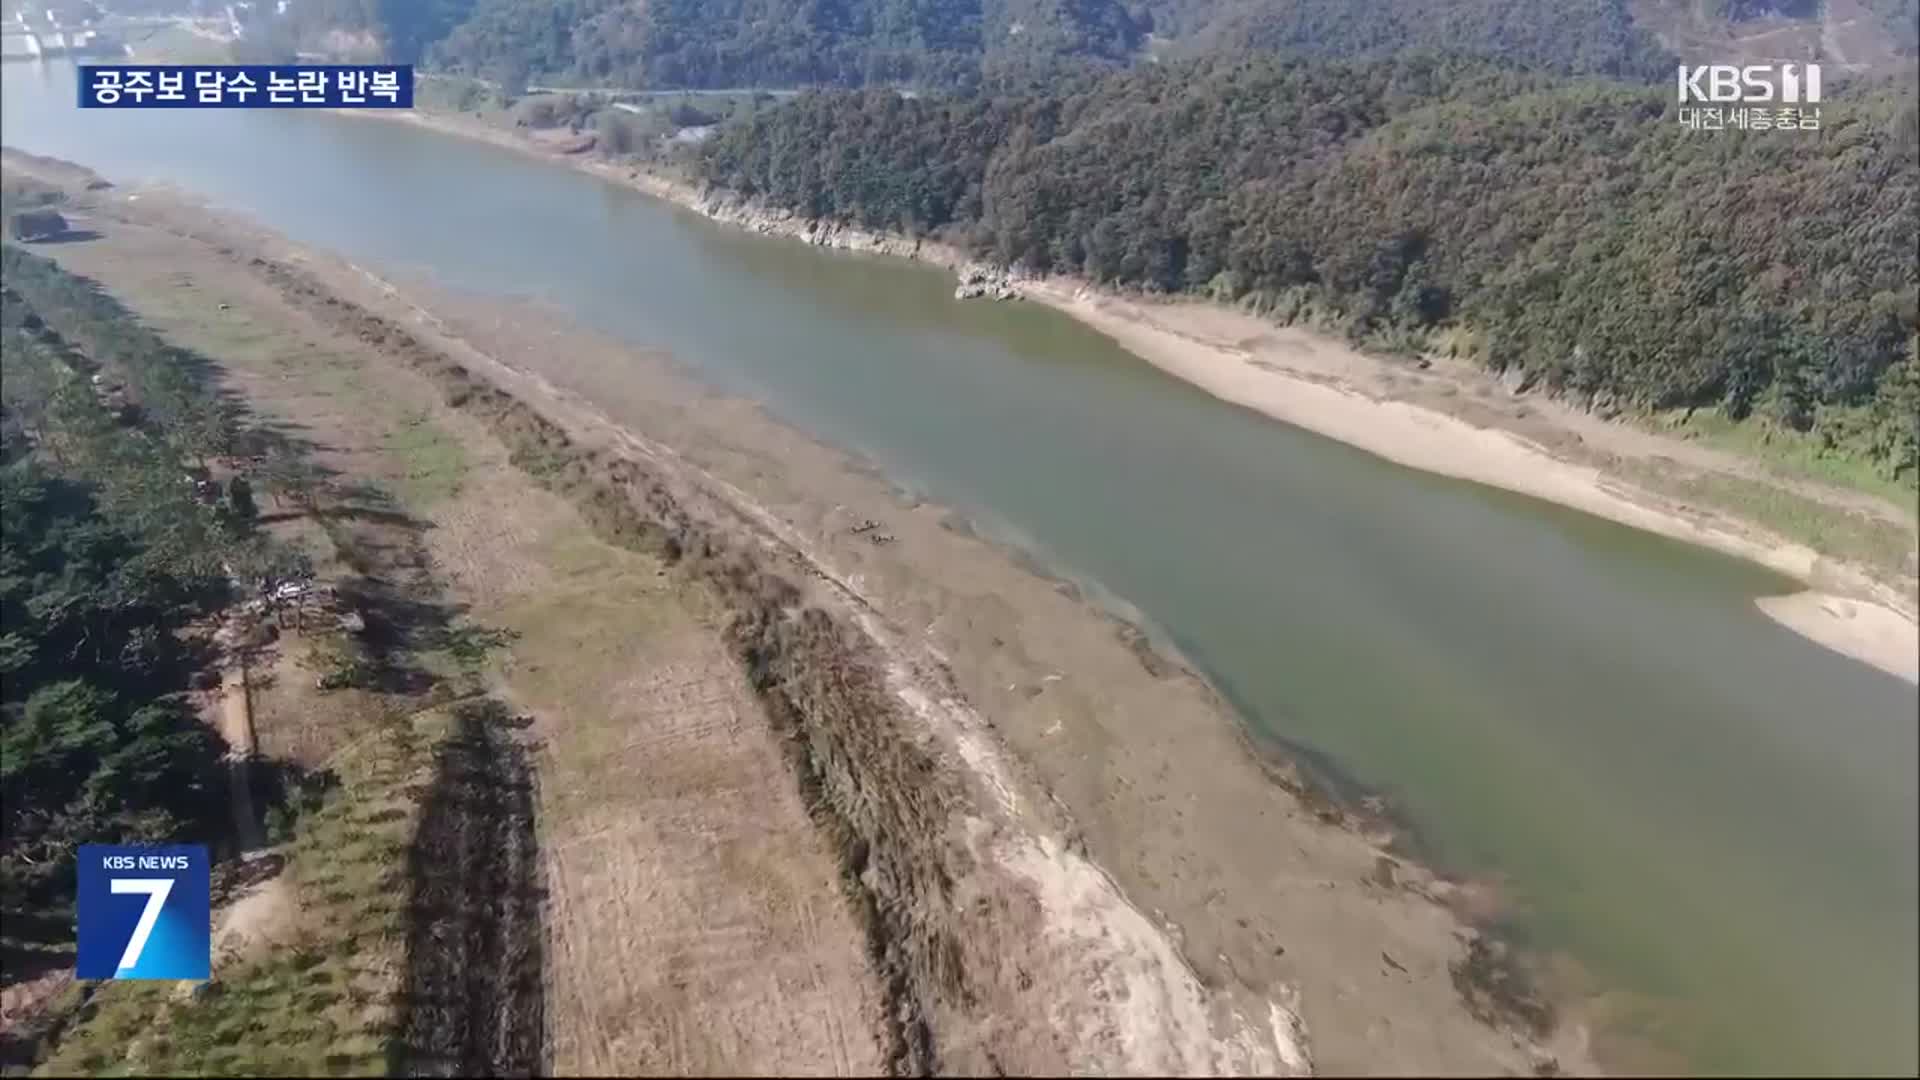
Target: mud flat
[[1060, 848]]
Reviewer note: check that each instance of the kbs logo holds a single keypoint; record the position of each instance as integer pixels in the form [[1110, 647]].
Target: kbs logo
[[1785, 89], [1754, 84], [144, 912]]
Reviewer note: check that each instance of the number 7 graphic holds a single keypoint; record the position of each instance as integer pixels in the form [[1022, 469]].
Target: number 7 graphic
[[156, 890]]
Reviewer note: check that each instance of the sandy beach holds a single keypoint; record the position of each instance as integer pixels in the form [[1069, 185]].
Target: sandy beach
[[1323, 386]]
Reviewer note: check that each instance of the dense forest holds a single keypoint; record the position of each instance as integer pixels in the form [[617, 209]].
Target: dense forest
[[1569, 231], [726, 43], [109, 554], [731, 43], [966, 44], [1609, 37], [1569, 36]]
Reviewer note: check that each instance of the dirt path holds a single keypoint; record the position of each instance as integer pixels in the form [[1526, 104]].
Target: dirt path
[[236, 727]]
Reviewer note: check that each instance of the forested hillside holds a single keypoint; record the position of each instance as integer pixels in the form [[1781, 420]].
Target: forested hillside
[[1614, 37], [952, 44], [729, 43], [1579, 36], [725, 43], [1570, 231]]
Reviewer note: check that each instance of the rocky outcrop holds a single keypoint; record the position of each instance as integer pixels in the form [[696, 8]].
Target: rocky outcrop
[[977, 279], [980, 279], [775, 221]]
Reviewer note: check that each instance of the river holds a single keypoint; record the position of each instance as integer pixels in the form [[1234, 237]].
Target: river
[[1711, 816]]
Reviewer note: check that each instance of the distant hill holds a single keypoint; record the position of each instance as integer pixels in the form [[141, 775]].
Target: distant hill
[[1569, 36], [1631, 38], [963, 44], [734, 43]]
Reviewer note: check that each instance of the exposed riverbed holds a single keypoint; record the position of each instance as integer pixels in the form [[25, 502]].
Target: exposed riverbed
[[1708, 815]]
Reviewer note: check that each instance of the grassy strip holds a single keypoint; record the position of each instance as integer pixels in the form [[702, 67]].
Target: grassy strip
[[322, 1004], [1790, 453], [1856, 536]]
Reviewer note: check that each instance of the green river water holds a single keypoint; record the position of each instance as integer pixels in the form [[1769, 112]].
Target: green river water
[[1707, 813]]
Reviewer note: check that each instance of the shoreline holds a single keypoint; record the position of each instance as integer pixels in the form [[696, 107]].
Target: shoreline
[[1843, 609], [1030, 745], [1327, 387]]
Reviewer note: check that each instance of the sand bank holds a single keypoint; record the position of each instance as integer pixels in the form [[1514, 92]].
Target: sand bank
[[1316, 384]]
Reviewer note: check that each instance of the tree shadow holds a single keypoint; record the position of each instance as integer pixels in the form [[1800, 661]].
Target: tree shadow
[[284, 792], [392, 587], [37, 931], [399, 625], [473, 1002], [34, 943], [377, 516], [21, 1040]]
